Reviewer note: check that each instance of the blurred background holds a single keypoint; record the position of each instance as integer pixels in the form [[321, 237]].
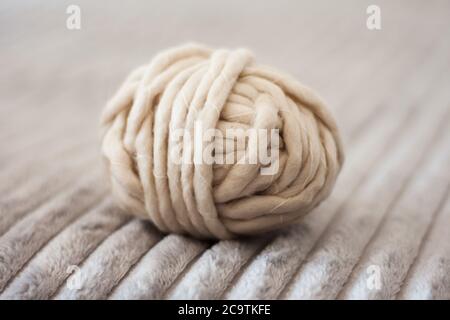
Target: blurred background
[[326, 45]]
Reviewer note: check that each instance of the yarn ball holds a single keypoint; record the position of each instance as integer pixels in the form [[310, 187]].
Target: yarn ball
[[151, 144]]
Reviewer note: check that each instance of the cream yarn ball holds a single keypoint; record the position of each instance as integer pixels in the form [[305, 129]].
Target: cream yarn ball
[[151, 122]]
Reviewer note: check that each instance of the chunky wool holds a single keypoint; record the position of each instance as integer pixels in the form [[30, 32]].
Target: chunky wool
[[221, 90]]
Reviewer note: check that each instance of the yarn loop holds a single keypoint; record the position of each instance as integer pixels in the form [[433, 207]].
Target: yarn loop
[[150, 144]]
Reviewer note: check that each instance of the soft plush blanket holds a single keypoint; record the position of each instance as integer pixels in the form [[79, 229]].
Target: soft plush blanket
[[382, 234]]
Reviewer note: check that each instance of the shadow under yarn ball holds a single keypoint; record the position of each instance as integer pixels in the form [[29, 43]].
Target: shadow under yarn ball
[[183, 140]]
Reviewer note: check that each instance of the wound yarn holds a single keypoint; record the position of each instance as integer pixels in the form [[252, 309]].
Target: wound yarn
[[150, 144]]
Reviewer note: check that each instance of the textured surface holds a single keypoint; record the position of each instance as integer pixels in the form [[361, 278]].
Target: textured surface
[[389, 212]]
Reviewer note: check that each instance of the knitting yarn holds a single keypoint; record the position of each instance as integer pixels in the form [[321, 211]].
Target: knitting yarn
[[209, 143]]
